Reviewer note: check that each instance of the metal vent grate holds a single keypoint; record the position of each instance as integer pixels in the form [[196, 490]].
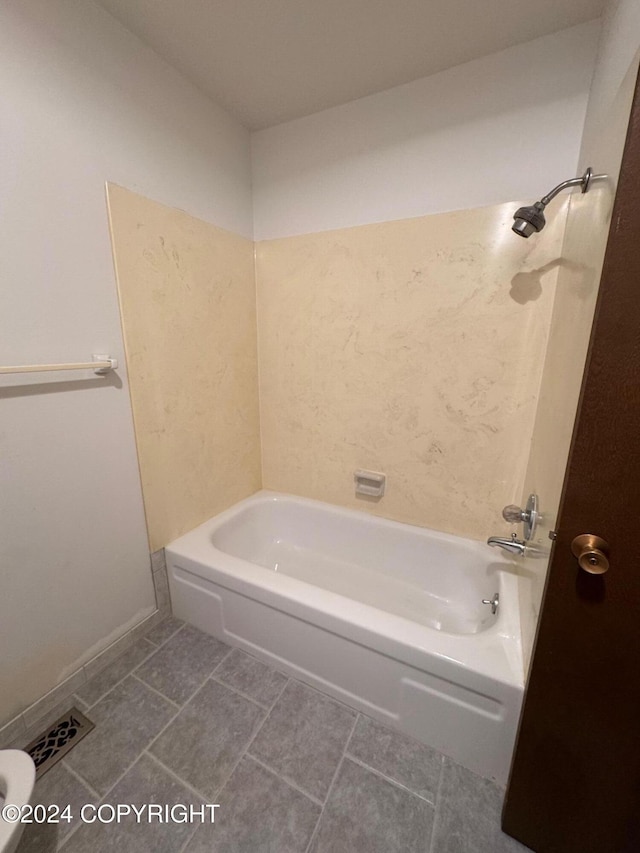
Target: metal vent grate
[[54, 743]]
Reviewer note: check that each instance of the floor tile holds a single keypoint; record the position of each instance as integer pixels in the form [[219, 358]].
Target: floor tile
[[367, 814], [113, 673], [40, 838], [251, 677], [468, 815], [207, 738], [57, 787], [304, 737], [145, 783], [183, 663], [146, 626], [397, 756], [258, 812], [167, 628], [12, 731], [127, 720], [78, 703]]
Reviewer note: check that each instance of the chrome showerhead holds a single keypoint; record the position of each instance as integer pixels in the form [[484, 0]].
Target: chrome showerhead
[[529, 220]]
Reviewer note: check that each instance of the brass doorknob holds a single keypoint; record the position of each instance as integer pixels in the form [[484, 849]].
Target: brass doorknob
[[592, 553]]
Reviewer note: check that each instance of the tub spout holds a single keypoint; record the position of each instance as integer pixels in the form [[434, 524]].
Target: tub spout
[[513, 545]]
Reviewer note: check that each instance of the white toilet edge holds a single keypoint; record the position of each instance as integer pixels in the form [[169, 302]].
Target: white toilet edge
[[17, 778]]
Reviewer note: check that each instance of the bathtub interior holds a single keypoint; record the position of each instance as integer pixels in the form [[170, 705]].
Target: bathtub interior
[[427, 577]]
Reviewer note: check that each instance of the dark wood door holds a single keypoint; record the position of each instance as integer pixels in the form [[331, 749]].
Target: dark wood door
[[575, 778]]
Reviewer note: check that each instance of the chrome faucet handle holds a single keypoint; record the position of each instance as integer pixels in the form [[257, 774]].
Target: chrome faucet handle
[[514, 514], [530, 516]]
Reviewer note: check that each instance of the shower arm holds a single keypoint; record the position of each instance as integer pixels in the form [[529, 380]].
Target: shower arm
[[583, 182]]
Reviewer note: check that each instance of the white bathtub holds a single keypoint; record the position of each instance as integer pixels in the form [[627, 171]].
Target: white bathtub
[[386, 617]]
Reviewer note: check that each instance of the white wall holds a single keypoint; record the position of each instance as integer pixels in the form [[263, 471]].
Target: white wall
[[617, 57], [82, 101], [504, 127]]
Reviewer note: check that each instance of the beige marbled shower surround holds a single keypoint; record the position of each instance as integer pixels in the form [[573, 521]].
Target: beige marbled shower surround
[[412, 347], [187, 300]]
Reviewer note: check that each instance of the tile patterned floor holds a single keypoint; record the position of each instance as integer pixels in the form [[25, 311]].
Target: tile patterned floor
[[182, 718]]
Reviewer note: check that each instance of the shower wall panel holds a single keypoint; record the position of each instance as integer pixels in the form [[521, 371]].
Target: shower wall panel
[[187, 296], [412, 347]]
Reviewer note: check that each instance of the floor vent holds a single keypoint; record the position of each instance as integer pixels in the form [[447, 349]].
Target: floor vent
[[54, 743]]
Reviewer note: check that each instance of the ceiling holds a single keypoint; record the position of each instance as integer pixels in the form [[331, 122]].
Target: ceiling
[[268, 61]]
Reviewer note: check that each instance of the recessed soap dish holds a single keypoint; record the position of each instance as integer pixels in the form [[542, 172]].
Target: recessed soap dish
[[370, 483]]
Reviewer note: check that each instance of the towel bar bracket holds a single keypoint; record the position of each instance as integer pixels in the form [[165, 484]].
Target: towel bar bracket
[[111, 364]]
